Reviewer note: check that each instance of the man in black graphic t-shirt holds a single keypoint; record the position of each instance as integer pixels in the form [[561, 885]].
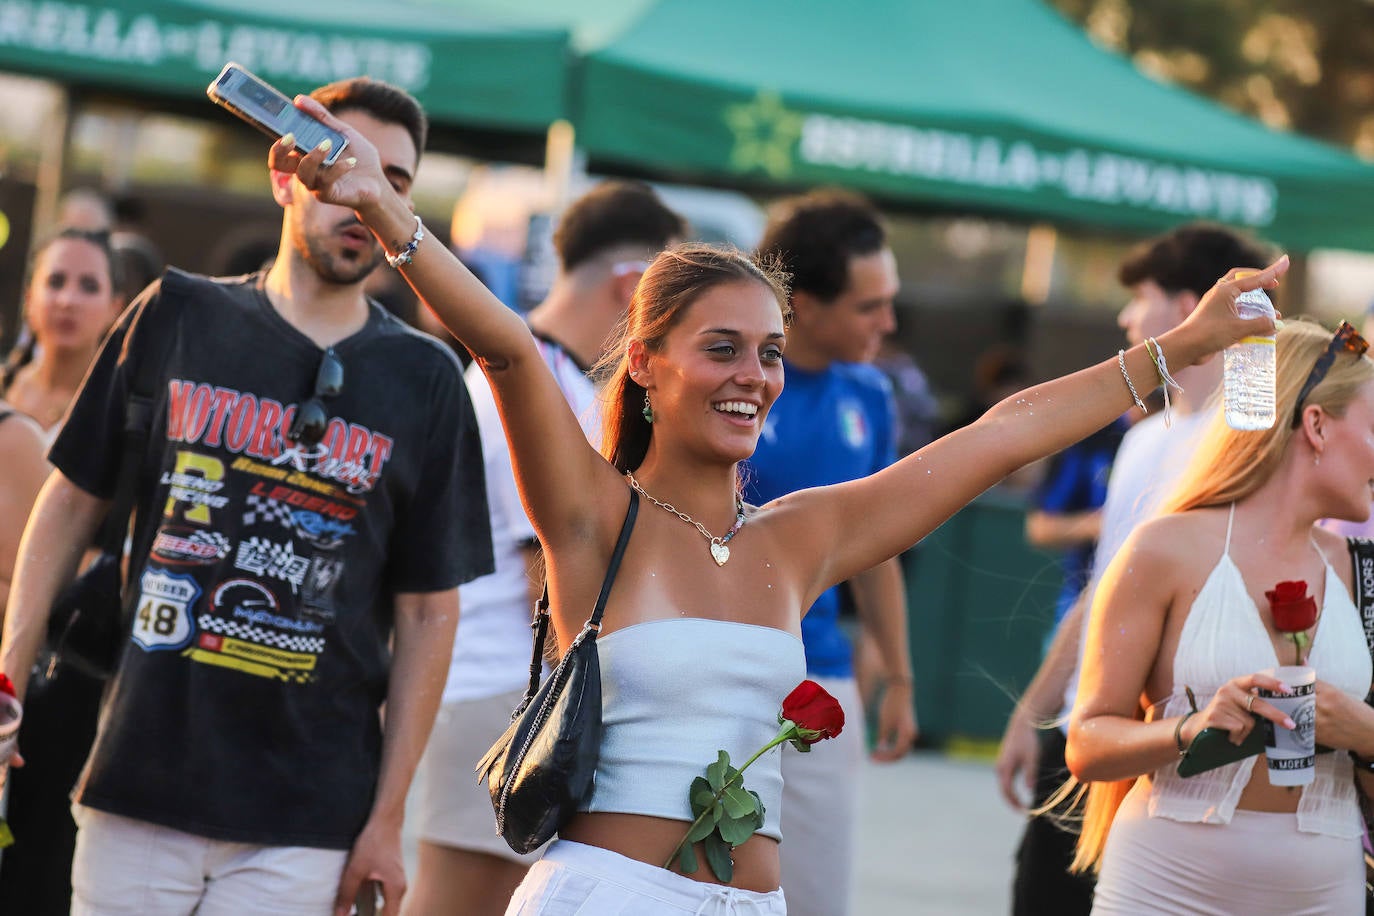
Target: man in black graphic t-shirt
[[311, 498]]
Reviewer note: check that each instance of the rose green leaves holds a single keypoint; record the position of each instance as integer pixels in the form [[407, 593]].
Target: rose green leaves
[[727, 814]]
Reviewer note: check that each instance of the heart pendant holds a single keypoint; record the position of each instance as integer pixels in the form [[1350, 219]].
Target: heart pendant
[[720, 553]]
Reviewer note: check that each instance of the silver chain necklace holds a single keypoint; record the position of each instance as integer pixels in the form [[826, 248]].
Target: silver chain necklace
[[719, 552]]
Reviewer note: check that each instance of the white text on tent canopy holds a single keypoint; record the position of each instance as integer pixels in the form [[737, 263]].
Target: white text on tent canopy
[[102, 31], [1079, 174]]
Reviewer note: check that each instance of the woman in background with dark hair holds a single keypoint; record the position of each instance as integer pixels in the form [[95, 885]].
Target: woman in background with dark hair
[[70, 301]]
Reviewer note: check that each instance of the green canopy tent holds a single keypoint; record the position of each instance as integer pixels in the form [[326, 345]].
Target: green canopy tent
[[464, 70], [490, 87], [995, 106]]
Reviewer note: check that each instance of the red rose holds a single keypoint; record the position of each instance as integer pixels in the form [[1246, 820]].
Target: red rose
[[1293, 609], [816, 713]]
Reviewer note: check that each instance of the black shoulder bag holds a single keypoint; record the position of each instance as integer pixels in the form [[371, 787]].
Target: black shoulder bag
[[541, 768], [87, 624], [1362, 559]]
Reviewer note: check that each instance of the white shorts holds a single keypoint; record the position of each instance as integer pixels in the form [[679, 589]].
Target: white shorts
[[127, 867], [574, 879], [820, 803], [1259, 863], [452, 808]]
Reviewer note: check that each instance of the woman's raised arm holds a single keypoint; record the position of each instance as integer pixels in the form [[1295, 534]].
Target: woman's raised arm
[[903, 503], [553, 460]]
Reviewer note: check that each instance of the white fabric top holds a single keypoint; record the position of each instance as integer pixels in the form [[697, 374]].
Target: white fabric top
[[1147, 467], [1223, 638], [491, 653], [676, 692]]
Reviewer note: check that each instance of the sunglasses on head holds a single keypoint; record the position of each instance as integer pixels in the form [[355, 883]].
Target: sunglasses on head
[[312, 417], [1345, 340]]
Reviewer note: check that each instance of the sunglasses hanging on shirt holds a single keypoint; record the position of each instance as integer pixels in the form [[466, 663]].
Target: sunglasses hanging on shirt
[[312, 417]]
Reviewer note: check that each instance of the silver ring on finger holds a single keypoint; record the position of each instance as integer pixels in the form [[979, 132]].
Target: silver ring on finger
[[1249, 703]]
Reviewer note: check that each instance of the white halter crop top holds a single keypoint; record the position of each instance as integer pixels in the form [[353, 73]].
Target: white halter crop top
[[674, 693], [1224, 637]]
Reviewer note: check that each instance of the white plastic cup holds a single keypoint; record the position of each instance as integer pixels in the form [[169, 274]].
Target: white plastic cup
[[11, 714], [1292, 753]]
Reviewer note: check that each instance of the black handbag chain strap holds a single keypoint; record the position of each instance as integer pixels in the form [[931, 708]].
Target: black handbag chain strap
[[593, 624]]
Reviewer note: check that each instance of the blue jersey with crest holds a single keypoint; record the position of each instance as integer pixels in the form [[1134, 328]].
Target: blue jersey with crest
[[826, 427]]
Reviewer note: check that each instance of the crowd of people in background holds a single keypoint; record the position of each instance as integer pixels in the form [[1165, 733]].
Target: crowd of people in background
[[335, 516]]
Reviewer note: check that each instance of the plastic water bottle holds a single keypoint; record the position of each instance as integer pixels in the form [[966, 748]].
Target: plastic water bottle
[[1248, 383]]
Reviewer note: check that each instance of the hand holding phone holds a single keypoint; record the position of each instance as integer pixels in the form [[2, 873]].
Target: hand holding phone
[[271, 112], [1212, 747], [369, 899]]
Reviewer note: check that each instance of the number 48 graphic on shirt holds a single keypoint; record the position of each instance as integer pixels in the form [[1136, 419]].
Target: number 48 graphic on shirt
[[163, 619]]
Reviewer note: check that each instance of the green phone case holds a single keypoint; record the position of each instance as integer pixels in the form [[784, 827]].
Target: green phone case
[[1212, 748]]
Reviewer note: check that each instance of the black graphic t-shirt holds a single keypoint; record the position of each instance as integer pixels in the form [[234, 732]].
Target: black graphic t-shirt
[[262, 572]]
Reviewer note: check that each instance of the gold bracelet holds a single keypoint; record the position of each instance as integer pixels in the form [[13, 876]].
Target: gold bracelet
[[1178, 732]]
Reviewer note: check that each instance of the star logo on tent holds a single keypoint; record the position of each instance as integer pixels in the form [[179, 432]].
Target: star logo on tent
[[765, 133]]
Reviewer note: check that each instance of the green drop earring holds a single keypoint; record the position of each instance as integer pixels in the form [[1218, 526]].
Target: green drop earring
[[648, 410]]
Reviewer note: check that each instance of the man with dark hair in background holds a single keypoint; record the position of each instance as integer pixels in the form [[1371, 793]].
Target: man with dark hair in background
[[309, 500], [835, 421], [1166, 276], [604, 242]]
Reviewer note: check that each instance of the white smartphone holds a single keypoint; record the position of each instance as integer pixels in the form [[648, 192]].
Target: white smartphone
[[269, 111]]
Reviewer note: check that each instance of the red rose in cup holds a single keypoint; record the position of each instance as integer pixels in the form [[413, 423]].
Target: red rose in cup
[[816, 714], [1294, 612]]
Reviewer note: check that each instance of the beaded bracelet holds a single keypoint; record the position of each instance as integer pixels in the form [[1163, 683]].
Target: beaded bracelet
[[1121, 360], [1362, 763], [407, 254]]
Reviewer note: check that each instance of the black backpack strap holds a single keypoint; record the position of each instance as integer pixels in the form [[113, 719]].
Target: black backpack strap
[[155, 330], [1362, 562], [541, 607]]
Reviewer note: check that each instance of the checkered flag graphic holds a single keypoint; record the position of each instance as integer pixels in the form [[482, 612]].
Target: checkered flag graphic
[[264, 509]]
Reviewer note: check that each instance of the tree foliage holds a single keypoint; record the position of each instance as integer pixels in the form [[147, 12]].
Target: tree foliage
[[1303, 65]]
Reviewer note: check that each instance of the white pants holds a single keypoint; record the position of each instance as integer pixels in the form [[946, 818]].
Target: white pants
[[574, 879], [127, 867], [1259, 863], [820, 800]]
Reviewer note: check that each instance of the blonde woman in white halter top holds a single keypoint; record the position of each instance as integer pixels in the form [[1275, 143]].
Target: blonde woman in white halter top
[[690, 617], [1183, 606]]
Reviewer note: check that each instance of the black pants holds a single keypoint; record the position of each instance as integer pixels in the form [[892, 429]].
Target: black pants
[[1043, 885], [60, 716]]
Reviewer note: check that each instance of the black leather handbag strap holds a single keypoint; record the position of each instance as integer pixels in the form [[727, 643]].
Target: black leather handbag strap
[[541, 607], [1362, 560]]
